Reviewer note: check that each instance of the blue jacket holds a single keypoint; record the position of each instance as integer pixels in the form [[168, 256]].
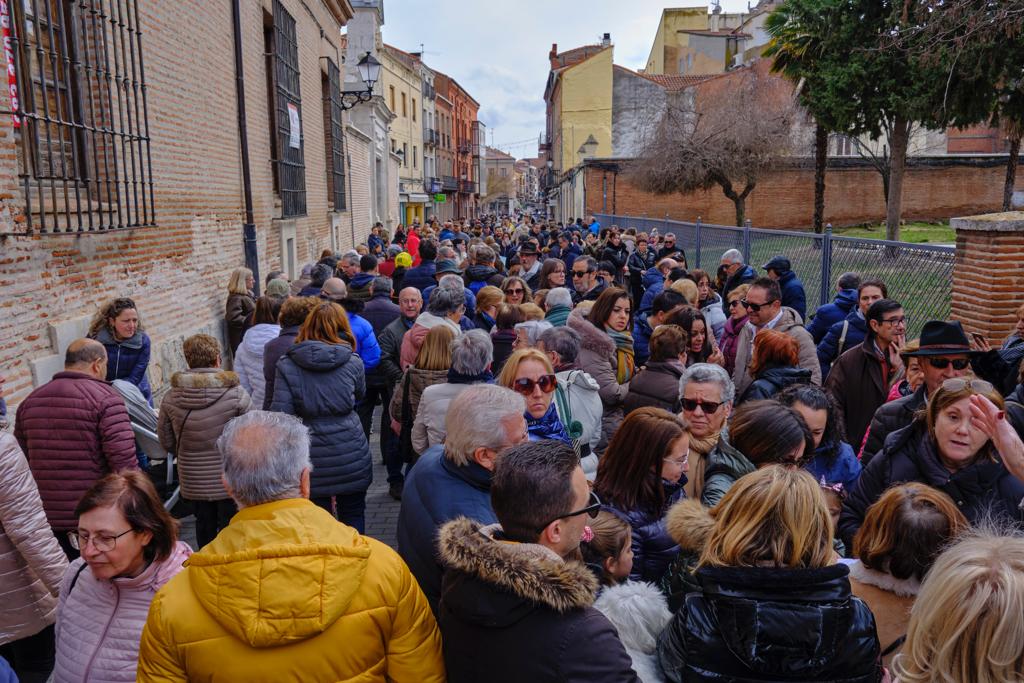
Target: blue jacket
[[569, 256], [641, 339], [828, 348], [437, 491], [321, 383], [654, 283], [375, 244], [366, 341], [844, 468], [421, 277], [654, 549], [793, 294], [828, 315], [128, 359]]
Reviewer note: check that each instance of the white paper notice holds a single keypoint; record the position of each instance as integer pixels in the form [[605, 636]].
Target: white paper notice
[[295, 135]]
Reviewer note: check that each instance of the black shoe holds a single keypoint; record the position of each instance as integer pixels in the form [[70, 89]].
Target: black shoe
[[395, 490]]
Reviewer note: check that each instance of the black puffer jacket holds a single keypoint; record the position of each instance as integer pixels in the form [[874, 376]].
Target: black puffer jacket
[[891, 417], [769, 624], [980, 490], [321, 384], [771, 381]]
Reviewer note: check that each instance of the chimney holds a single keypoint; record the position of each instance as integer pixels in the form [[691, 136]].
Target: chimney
[[553, 55], [606, 40]]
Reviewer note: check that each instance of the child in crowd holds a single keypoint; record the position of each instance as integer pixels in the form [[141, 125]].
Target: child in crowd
[[835, 494]]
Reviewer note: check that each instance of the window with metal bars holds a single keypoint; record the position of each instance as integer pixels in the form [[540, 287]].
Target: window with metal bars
[[333, 133], [289, 160], [80, 115]]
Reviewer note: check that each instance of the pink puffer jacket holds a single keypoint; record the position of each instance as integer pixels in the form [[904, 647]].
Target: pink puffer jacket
[[99, 623]]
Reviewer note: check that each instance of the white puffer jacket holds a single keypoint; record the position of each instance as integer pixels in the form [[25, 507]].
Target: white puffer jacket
[[249, 359], [580, 392], [639, 612], [99, 623], [31, 561]]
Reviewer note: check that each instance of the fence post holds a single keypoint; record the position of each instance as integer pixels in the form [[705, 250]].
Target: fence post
[[826, 266], [696, 244], [666, 223], [746, 241]]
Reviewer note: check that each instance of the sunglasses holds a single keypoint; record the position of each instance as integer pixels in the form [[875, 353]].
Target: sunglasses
[[525, 385], [580, 273], [707, 406], [960, 383], [592, 509], [520, 290], [756, 307], [943, 363], [736, 302]]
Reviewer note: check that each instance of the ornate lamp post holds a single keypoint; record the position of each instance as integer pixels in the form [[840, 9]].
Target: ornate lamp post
[[369, 71]]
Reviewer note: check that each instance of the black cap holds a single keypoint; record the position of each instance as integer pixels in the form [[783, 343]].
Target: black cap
[[779, 264]]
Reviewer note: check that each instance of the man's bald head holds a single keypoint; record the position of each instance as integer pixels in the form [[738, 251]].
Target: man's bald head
[[88, 356], [410, 300]]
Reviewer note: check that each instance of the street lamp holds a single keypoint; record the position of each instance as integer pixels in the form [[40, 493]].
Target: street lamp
[[369, 71]]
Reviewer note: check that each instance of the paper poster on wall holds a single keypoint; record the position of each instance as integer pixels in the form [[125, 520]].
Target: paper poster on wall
[[295, 135]]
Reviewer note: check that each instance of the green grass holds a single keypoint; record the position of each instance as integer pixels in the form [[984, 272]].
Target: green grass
[[917, 233]]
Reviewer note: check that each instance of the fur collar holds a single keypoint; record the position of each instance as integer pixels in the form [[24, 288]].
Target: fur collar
[[904, 588], [689, 524], [591, 338], [527, 570], [638, 611], [206, 378]]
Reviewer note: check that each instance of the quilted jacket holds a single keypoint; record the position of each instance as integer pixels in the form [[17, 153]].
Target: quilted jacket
[[74, 430], [127, 359], [31, 561], [249, 359]]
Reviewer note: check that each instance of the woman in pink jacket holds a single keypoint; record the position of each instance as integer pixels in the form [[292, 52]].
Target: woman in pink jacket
[[129, 551]]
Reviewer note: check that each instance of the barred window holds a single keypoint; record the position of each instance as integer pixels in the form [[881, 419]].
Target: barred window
[[333, 134], [289, 161], [80, 115]]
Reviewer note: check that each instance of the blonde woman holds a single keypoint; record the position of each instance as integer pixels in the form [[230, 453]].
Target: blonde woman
[[430, 367], [967, 625], [772, 604], [240, 305]]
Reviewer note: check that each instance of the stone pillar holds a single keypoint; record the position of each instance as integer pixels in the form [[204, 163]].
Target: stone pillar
[[988, 277]]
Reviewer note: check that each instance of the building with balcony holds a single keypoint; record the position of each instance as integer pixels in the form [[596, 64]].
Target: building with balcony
[[402, 81], [458, 128]]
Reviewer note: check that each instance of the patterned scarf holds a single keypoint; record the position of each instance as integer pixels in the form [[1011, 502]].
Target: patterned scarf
[[623, 355], [547, 426]]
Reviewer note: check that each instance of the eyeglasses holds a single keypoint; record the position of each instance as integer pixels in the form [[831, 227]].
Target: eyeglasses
[[593, 507], [525, 385], [518, 290], [679, 463], [895, 321], [579, 273], [103, 544], [943, 363], [736, 302], [707, 406], [974, 384], [755, 307]]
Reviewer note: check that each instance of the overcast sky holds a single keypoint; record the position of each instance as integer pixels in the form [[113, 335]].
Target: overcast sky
[[498, 51]]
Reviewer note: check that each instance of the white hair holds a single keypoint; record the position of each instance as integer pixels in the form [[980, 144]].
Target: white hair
[[263, 455], [708, 373], [534, 328], [472, 352], [558, 296], [733, 256], [466, 432]]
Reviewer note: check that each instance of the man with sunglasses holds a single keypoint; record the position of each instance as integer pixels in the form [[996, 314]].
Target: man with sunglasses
[[513, 608], [587, 286], [944, 353]]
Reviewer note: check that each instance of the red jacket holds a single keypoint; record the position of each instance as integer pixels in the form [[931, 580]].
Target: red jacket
[[74, 430]]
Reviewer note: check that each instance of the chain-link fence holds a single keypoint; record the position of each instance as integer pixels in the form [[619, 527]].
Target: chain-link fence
[[920, 276]]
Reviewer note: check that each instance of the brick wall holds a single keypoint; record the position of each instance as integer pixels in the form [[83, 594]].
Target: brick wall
[[988, 278], [785, 198], [178, 271]]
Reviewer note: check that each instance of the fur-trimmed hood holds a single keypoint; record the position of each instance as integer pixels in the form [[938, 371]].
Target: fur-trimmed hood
[[205, 378], [904, 588], [689, 523], [591, 338], [521, 573]]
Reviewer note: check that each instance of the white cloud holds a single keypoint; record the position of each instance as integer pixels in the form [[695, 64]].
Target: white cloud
[[498, 51]]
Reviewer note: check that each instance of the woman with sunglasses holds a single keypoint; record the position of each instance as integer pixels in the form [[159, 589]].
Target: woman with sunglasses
[[733, 325], [963, 444], [130, 549], [118, 327], [529, 372], [516, 290], [639, 477]]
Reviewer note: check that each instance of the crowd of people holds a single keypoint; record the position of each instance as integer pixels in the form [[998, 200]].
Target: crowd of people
[[610, 466]]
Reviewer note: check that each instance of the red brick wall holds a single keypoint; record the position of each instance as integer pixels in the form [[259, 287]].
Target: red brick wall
[[988, 282], [785, 198]]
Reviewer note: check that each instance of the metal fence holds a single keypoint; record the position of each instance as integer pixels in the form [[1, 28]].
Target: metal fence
[[918, 275]]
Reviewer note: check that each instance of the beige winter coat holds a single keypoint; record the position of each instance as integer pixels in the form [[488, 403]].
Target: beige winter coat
[[890, 600], [192, 417], [31, 562], [790, 323], [598, 359]]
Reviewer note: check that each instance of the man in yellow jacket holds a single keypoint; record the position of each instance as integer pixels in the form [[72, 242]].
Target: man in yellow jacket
[[285, 592]]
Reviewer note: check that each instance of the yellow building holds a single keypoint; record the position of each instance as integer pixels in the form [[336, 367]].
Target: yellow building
[[693, 41], [579, 103], [401, 87]]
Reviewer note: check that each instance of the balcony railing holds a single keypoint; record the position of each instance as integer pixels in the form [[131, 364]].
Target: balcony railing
[[430, 136], [467, 186], [432, 185], [449, 183], [464, 148]]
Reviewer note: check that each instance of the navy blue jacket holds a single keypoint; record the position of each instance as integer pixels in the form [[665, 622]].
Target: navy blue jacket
[[773, 380], [380, 312], [843, 468], [421, 277], [828, 315], [128, 359], [641, 339], [654, 283], [828, 348], [793, 294], [437, 491], [272, 352], [321, 383], [742, 276], [654, 549], [569, 256]]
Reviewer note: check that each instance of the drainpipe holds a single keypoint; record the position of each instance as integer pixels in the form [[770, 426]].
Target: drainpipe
[[252, 261]]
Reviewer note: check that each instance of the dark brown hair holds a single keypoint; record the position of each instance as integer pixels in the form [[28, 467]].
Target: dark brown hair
[[508, 317], [773, 349], [267, 310], [667, 342], [296, 309], [767, 432], [132, 493], [201, 351], [602, 308]]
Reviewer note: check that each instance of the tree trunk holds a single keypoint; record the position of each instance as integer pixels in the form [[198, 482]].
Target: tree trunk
[[820, 161], [738, 200], [898, 144], [1011, 173]]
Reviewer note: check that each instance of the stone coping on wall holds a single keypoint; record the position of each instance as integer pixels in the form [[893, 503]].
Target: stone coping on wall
[[1009, 221]]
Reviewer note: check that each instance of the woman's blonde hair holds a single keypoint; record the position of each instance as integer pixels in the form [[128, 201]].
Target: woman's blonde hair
[[489, 296], [436, 351], [738, 293], [687, 288], [531, 310], [237, 283], [508, 372], [775, 516], [967, 623]]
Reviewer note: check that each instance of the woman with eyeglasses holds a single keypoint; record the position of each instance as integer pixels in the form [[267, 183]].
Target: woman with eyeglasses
[[963, 445], [130, 549], [639, 477], [529, 372], [733, 326], [516, 290], [118, 327]]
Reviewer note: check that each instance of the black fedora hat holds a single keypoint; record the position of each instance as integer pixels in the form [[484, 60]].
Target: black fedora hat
[[941, 338]]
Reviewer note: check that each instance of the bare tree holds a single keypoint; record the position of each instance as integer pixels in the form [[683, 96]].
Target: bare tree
[[728, 134]]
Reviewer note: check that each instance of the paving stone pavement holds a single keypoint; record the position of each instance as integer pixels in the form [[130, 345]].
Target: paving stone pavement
[[381, 509]]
